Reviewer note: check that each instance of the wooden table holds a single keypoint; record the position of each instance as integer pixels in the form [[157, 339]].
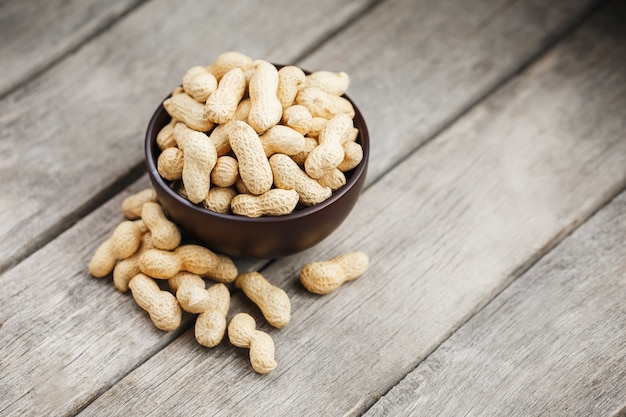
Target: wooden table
[[494, 211]]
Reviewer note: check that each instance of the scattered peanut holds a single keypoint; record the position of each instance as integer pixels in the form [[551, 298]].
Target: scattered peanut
[[326, 276], [162, 306], [211, 323], [165, 234], [242, 333], [162, 264], [127, 268], [132, 205], [124, 241], [271, 300], [190, 292]]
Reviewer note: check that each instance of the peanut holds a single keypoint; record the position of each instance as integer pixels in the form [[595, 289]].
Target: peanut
[[191, 112], [165, 234], [288, 175], [225, 172], [222, 103], [165, 137], [162, 306], [323, 104], [242, 333], [274, 202], [353, 155], [199, 83], [219, 199], [190, 292], [226, 61], [289, 80], [200, 157], [127, 268], [282, 139], [271, 300], [254, 168], [132, 205], [265, 108], [326, 276], [124, 241], [219, 135], [309, 145], [317, 125], [211, 323], [161, 264], [334, 179], [298, 118], [335, 83], [170, 163], [329, 153]]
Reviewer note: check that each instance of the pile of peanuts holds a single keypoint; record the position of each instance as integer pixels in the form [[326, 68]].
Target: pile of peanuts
[[146, 248], [253, 140]]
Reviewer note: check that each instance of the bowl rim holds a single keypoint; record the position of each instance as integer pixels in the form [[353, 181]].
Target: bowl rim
[[355, 174]]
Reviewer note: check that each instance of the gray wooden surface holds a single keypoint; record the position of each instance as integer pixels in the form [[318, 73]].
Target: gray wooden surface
[[497, 131]]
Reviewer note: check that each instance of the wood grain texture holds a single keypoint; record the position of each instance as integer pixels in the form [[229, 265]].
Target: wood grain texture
[[78, 128], [552, 344], [415, 65], [35, 34], [82, 122], [447, 230]]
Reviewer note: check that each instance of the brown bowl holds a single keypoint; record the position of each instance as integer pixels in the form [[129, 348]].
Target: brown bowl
[[261, 237]]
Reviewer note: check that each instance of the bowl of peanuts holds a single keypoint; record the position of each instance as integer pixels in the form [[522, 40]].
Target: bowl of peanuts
[[254, 159]]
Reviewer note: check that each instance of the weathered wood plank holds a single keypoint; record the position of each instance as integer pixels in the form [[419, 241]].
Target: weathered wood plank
[[77, 129], [447, 230], [552, 344], [37, 33], [421, 63], [410, 76]]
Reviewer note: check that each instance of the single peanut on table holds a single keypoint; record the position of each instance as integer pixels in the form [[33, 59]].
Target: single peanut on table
[[132, 205], [162, 264], [123, 243], [242, 333], [127, 268], [271, 300], [326, 276], [210, 325], [165, 234], [162, 306]]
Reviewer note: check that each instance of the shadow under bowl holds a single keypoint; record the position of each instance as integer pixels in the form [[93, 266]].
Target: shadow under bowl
[[262, 237]]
